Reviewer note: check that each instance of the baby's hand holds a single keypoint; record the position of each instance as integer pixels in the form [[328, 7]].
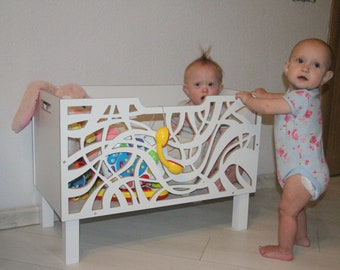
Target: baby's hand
[[243, 96], [259, 93]]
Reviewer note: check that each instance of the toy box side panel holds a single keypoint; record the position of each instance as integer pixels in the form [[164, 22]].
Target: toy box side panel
[[47, 150]]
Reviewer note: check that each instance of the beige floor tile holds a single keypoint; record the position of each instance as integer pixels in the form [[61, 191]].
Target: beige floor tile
[[197, 236]]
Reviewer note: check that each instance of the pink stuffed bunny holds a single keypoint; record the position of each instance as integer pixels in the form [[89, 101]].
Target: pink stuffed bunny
[[29, 101]]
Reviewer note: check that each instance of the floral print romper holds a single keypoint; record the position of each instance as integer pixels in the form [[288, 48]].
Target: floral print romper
[[298, 140]]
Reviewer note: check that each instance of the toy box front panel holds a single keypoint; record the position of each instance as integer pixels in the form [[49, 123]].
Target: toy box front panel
[[117, 157]]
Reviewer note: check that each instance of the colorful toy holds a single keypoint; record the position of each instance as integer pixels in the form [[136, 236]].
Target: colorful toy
[[111, 134], [117, 161], [162, 137], [148, 191], [81, 180], [90, 138], [78, 125]]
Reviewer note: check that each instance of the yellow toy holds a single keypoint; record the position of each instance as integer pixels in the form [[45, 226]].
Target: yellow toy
[[162, 137]]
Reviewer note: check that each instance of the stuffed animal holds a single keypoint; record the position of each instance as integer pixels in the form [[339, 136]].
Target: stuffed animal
[[29, 100]]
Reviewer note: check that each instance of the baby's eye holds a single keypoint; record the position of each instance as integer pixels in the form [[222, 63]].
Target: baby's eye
[[299, 60], [211, 84], [316, 65], [197, 84]]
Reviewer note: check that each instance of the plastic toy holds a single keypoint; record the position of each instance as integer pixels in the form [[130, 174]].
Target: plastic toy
[[162, 137], [117, 161], [147, 190], [90, 138], [111, 134], [78, 125], [80, 181]]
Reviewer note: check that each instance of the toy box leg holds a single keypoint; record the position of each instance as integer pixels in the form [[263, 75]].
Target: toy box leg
[[71, 241], [240, 212], [47, 214]]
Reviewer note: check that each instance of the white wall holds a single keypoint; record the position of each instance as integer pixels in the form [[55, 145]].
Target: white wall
[[138, 42]]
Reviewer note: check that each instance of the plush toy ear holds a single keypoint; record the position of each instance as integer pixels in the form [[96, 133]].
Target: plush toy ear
[[71, 90], [29, 101], [28, 104]]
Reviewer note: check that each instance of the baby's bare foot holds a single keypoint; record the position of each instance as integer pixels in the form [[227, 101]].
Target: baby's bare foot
[[274, 252], [303, 242]]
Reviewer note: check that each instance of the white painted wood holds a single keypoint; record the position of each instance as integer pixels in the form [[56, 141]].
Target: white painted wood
[[224, 133], [47, 145], [47, 214], [240, 211], [71, 241]]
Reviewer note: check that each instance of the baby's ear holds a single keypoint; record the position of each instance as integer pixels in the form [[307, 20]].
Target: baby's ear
[[329, 74], [285, 67], [185, 89]]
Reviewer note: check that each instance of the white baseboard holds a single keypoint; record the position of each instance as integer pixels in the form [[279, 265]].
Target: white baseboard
[[26, 216], [19, 217]]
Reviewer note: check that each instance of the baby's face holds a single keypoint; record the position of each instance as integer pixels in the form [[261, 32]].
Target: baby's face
[[201, 81], [308, 65]]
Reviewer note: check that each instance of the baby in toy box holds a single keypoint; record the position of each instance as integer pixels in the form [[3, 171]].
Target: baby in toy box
[[203, 77]]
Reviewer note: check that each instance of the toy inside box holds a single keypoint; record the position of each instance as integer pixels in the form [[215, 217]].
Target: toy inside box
[[117, 155]]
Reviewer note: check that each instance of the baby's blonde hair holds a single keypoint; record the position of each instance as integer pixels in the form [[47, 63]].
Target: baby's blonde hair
[[205, 59]]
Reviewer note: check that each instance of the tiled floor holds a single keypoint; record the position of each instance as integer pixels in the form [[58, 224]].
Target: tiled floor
[[197, 236]]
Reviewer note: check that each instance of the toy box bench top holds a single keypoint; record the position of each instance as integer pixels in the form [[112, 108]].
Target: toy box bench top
[[109, 156]]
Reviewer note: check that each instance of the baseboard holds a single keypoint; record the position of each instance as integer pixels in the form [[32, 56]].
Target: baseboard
[[19, 217], [26, 216]]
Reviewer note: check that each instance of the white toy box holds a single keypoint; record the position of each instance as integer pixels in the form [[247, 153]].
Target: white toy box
[[102, 156]]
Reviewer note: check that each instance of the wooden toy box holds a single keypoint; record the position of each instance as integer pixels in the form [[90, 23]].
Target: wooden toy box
[[101, 156]]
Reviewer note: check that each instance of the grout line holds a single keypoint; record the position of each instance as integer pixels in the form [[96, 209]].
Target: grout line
[[318, 239], [204, 249]]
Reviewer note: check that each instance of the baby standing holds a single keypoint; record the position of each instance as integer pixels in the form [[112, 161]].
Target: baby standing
[[302, 170]]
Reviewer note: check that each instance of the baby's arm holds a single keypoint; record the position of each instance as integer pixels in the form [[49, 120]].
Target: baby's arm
[[262, 93], [264, 102]]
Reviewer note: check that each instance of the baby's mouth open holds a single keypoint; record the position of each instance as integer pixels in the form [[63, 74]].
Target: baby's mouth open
[[302, 78]]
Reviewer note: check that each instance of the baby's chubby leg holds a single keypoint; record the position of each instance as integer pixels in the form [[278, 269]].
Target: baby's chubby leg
[[301, 238], [292, 221]]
